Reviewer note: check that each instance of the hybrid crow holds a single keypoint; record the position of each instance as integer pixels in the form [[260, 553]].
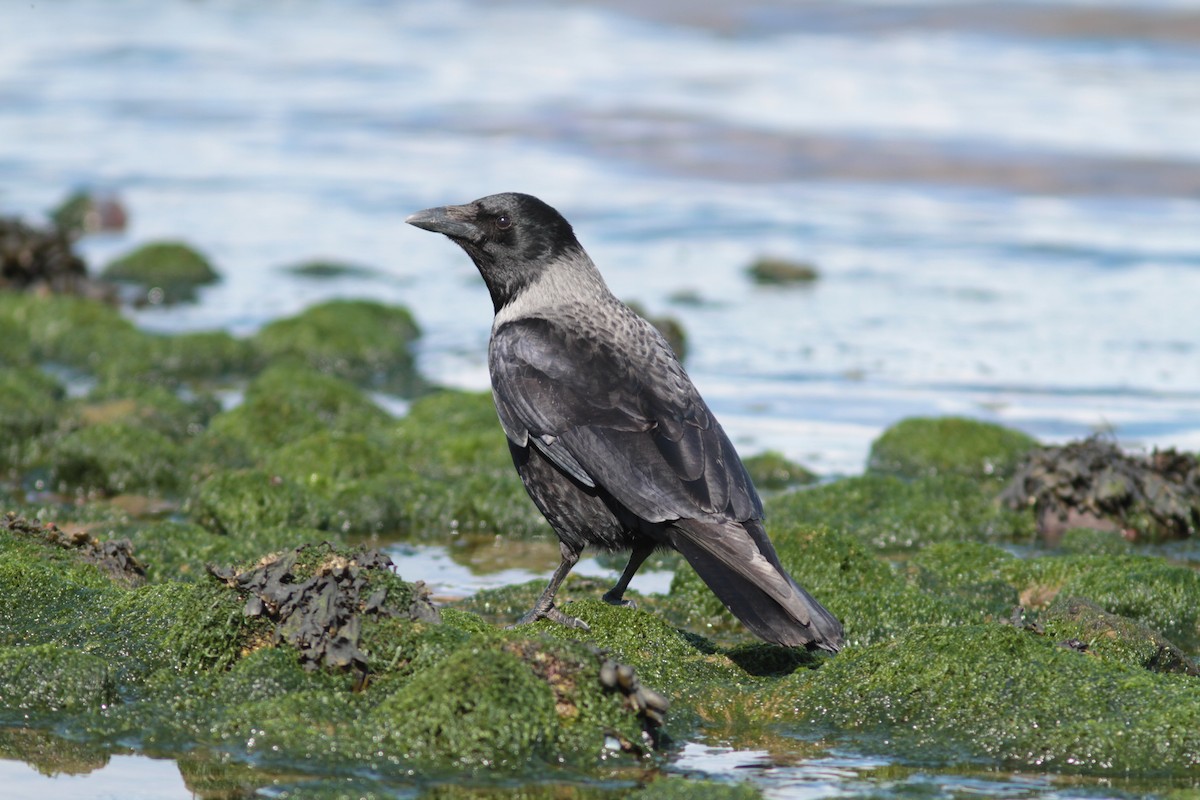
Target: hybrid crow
[[611, 439]]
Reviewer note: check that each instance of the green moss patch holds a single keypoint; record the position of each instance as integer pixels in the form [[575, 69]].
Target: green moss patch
[[1009, 696], [921, 447], [167, 264], [362, 341]]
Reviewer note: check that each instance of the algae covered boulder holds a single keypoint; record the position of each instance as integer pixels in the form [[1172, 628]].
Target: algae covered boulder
[[921, 447], [1008, 696], [890, 514], [30, 406], [52, 678], [1089, 628], [772, 471], [118, 458], [240, 502], [284, 404], [172, 269], [365, 342], [776, 271]]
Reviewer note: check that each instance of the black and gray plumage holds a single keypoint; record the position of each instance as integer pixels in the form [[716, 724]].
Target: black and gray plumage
[[611, 439]]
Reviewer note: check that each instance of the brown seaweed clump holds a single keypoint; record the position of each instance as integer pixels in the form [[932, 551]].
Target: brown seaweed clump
[[1093, 484], [32, 258], [114, 558], [317, 598]]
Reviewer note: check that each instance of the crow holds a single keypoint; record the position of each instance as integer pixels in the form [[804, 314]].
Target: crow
[[610, 437]]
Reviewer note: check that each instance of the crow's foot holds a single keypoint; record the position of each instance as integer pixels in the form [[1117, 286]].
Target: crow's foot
[[553, 614], [614, 599]]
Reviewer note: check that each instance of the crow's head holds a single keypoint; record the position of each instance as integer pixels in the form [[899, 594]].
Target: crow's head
[[512, 238]]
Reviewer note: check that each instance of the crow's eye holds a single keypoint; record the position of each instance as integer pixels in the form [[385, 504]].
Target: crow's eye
[[503, 222]]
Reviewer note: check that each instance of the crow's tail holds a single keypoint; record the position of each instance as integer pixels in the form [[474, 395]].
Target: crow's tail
[[739, 564]]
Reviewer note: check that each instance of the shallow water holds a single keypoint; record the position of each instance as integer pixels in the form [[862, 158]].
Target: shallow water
[[1003, 200]]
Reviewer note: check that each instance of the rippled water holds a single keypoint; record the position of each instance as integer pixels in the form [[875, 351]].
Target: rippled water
[[1003, 199]]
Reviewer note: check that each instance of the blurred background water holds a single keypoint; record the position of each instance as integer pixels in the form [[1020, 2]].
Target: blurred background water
[[1002, 198]]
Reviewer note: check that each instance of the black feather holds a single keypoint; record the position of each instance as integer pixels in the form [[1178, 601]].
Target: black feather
[[609, 435]]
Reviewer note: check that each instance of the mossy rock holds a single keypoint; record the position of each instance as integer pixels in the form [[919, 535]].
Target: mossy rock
[[285, 404], [479, 708], [241, 502], [30, 406], [924, 447], [890, 514], [1113, 637], [774, 271], [180, 551], [772, 471], [204, 355], [49, 678], [164, 264], [147, 406], [15, 346], [118, 458], [1002, 695], [455, 471], [362, 341], [324, 269]]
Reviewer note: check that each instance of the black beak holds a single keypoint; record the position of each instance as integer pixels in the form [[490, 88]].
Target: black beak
[[453, 221]]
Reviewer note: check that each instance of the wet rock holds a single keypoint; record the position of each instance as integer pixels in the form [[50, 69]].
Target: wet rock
[[1093, 630], [83, 212], [367, 343], [1093, 484], [30, 406], [33, 258], [317, 598], [50, 678], [891, 514], [114, 558], [322, 269], [169, 271], [771, 471], [774, 271], [286, 403], [241, 502], [118, 458], [926, 447], [1008, 696]]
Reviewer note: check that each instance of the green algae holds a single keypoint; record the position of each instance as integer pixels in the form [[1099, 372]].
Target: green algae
[[775, 271], [480, 708], [180, 551], [96, 339], [239, 502], [30, 407], [772, 472], [450, 453], [891, 514], [175, 268], [1112, 637], [147, 406], [365, 342], [50, 678], [924, 447], [1006, 695], [118, 458], [285, 403]]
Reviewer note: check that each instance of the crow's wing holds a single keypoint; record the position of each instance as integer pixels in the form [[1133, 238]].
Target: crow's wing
[[619, 413]]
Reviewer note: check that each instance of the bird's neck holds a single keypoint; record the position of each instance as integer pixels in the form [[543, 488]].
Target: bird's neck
[[570, 279]]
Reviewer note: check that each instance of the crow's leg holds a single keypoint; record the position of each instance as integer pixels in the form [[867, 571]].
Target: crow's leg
[[616, 594], [544, 607]]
